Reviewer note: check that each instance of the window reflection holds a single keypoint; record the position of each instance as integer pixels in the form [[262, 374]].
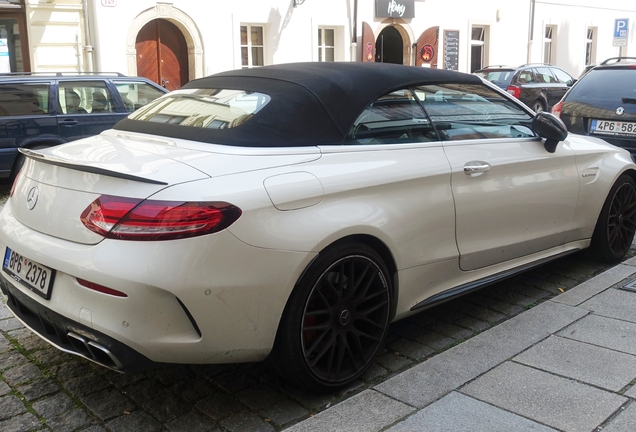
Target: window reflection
[[204, 108]]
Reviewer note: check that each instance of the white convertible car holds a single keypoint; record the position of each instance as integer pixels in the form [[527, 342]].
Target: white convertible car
[[292, 212]]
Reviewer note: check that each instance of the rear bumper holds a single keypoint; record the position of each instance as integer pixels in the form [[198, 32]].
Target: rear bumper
[[208, 299], [70, 336]]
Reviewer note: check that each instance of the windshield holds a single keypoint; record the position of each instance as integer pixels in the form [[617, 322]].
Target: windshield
[[204, 108]]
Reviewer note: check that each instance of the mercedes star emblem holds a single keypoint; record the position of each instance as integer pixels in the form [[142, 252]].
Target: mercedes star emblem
[[345, 317], [32, 197], [620, 111]]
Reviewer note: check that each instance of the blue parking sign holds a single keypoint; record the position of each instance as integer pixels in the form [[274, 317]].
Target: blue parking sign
[[621, 27]]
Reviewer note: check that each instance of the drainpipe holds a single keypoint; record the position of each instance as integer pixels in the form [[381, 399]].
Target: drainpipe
[[354, 39], [88, 47], [530, 32]]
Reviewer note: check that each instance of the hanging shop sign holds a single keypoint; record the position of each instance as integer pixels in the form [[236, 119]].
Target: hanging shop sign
[[395, 8], [427, 54]]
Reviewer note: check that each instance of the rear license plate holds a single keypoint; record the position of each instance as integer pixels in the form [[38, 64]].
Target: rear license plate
[[606, 127], [33, 275]]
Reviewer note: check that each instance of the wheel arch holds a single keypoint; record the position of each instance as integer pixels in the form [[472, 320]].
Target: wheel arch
[[629, 172], [542, 100], [381, 248], [287, 349]]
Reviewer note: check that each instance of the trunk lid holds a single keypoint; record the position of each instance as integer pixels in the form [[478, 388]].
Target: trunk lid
[[57, 184]]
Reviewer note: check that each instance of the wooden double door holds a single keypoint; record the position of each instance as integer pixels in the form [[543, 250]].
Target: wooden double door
[[162, 54]]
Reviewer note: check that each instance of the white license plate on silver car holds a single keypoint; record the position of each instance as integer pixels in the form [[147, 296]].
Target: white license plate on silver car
[[35, 276], [607, 127]]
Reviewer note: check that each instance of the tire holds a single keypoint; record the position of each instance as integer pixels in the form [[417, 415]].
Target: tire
[[538, 106], [614, 231], [336, 319], [17, 165]]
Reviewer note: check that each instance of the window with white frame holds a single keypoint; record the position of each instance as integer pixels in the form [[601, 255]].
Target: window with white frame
[[478, 47], [326, 44], [590, 46], [252, 46], [549, 42]]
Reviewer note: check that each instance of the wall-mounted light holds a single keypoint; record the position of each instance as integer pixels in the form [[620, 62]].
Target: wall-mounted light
[[298, 2]]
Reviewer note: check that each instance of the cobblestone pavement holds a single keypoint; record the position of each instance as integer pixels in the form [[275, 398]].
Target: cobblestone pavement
[[42, 388]]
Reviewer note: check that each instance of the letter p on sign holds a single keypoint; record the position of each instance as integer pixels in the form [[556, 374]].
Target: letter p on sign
[[621, 26]]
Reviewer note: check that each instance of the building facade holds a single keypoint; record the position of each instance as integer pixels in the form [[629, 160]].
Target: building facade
[[175, 42]]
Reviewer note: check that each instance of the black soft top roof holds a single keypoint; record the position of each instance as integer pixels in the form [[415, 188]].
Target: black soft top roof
[[311, 103]]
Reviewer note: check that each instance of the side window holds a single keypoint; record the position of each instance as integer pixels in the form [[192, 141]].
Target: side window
[[562, 76], [135, 94], [526, 76], [24, 99], [396, 117], [545, 76], [460, 112], [85, 97]]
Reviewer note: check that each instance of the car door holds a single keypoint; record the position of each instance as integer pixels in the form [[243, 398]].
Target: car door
[[397, 179], [26, 119], [512, 197], [86, 108]]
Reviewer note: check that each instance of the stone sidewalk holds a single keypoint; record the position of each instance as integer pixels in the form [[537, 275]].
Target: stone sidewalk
[[568, 364], [42, 388]]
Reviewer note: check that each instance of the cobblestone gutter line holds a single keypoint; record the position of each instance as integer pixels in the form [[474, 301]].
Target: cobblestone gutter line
[[42, 388]]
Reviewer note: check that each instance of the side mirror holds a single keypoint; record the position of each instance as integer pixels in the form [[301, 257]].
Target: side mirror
[[551, 128]]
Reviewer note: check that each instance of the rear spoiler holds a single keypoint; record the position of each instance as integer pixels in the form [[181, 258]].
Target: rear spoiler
[[84, 168]]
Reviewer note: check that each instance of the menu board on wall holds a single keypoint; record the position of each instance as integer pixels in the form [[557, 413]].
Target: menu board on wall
[[451, 49]]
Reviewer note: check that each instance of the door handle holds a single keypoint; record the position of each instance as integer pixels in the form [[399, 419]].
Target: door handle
[[68, 122], [475, 168], [14, 128]]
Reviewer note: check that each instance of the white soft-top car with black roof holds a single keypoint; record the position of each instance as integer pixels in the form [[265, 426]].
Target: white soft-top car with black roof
[[292, 212]]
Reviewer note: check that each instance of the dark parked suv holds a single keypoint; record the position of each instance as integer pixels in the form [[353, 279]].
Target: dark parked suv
[[539, 86], [602, 103], [41, 110]]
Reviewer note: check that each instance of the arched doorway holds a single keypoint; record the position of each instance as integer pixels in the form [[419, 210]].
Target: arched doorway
[[389, 46], [162, 54]]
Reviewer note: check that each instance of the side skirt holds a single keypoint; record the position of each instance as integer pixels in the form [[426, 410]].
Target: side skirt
[[480, 283]]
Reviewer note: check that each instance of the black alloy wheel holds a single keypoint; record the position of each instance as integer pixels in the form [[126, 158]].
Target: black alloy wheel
[[345, 319], [616, 226], [336, 319]]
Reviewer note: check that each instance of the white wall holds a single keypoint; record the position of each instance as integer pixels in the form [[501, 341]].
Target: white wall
[[212, 28], [572, 18], [55, 35]]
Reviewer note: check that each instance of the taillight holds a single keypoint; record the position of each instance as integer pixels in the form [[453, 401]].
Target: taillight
[[101, 288], [557, 109], [514, 90], [136, 219]]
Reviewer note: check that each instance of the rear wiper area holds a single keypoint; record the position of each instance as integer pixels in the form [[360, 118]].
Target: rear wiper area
[[629, 100]]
